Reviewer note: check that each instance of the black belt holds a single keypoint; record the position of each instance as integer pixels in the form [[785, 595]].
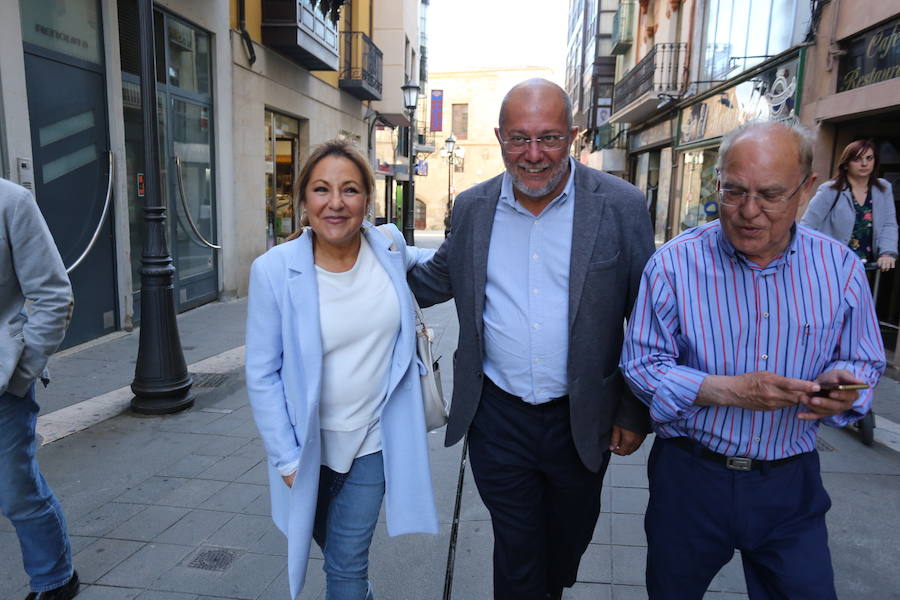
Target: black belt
[[549, 403], [735, 463]]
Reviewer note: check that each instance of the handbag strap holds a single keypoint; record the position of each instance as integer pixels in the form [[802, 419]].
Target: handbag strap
[[420, 316]]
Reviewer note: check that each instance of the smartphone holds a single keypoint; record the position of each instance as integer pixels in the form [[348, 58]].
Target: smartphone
[[840, 387]]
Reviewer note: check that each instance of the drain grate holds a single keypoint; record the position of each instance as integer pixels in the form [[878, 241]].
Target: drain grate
[[213, 559], [823, 446], [209, 380]]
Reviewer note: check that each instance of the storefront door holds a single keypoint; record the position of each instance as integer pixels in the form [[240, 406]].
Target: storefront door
[[67, 112], [187, 162], [282, 149]]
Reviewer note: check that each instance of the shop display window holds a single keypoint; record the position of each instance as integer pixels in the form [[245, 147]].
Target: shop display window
[[699, 203]]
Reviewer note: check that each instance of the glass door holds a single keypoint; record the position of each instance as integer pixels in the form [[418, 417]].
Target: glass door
[[188, 173], [186, 157], [282, 149], [66, 90]]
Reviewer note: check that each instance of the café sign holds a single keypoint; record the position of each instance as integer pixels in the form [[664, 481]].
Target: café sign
[[871, 57]]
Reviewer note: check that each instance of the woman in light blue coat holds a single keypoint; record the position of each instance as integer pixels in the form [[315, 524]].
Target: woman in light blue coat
[[333, 378], [857, 208]]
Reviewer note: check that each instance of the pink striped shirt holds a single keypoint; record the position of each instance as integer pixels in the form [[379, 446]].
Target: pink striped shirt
[[704, 309]]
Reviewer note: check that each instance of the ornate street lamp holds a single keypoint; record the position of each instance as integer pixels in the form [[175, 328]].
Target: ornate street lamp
[[410, 99], [450, 146], [161, 383]]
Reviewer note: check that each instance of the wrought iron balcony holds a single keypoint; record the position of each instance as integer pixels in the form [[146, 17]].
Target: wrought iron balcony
[[623, 27], [302, 32], [636, 95], [361, 66]]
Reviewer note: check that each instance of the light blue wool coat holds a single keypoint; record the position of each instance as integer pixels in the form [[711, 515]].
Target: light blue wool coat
[[284, 376], [833, 213]]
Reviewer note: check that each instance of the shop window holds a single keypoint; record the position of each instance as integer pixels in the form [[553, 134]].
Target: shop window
[[70, 28], [698, 189]]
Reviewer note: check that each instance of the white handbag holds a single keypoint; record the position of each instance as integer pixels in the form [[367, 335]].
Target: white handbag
[[437, 410]]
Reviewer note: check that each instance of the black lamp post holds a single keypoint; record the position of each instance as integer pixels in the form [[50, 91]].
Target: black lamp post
[[410, 99], [450, 145], [161, 383]]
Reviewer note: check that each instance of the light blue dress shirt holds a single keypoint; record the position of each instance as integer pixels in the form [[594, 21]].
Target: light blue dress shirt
[[526, 309]]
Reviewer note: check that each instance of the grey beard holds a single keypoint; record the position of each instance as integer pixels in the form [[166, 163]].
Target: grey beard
[[546, 189]]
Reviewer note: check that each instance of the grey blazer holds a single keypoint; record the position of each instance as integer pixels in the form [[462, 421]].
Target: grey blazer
[[30, 270], [611, 241], [833, 213]]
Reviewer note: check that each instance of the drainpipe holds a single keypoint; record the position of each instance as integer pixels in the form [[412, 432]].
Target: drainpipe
[[245, 35], [833, 50]]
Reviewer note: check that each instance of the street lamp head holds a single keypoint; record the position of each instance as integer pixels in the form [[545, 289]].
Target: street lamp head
[[410, 95], [451, 144]]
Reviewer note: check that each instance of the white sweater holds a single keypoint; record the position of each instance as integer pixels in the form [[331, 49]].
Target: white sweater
[[359, 315]]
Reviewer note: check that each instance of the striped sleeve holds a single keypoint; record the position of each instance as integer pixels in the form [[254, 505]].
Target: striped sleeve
[[650, 353], [860, 349]]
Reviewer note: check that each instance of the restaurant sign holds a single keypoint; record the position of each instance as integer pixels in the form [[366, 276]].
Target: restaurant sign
[[871, 57]]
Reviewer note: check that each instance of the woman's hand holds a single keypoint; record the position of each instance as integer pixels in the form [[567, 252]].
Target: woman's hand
[[886, 262], [289, 479]]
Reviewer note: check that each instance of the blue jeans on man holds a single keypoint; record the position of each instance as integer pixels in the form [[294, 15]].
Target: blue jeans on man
[[346, 514], [26, 499]]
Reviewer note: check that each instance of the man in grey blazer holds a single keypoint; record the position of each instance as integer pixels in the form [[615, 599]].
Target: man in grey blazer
[[544, 262], [35, 307]]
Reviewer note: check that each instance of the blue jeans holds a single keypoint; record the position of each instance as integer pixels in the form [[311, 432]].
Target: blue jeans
[[346, 514], [27, 500]]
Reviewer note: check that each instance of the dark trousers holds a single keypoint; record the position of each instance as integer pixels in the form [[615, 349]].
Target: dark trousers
[[700, 511], [543, 501]]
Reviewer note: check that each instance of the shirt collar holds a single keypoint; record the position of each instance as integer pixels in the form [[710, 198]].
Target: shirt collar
[[782, 259], [507, 196]]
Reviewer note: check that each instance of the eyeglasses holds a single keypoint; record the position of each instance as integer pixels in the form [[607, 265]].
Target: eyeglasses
[[770, 202], [518, 143]]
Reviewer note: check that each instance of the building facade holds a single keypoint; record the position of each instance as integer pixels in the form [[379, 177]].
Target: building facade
[[689, 71], [244, 89], [851, 91], [468, 109]]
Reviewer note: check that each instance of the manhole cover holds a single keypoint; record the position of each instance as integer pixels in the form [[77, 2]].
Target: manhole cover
[[823, 446], [214, 559], [209, 380]]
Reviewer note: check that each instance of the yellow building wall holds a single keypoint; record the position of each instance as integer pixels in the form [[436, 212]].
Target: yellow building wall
[[253, 17]]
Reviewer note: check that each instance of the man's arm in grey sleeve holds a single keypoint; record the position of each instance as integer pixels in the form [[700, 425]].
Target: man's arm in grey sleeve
[[44, 283]]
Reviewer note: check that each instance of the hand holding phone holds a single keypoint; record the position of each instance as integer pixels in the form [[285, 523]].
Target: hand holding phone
[[824, 388]]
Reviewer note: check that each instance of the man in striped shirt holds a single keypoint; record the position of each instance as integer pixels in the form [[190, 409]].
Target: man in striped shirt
[[738, 326]]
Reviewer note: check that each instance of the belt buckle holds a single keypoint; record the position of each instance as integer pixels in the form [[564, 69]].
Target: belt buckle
[[738, 463]]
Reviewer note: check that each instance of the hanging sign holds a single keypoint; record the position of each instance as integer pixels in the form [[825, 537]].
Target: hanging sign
[[437, 110]]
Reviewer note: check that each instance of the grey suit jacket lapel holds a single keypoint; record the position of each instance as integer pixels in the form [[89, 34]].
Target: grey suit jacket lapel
[[589, 201], [484, 209]]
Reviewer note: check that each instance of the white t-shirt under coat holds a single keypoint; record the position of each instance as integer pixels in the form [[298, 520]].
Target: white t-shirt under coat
[[359, 316]]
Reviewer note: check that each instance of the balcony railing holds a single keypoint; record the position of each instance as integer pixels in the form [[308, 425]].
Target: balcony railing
[[623, 27], [361, 66], [660, 71]]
